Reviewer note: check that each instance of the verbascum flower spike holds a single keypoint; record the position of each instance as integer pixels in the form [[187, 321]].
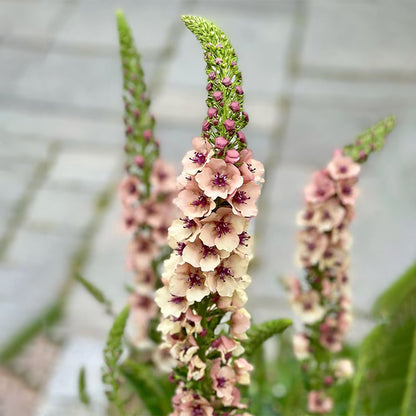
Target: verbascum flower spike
[[323, 298], [202, 301], [147, 194]]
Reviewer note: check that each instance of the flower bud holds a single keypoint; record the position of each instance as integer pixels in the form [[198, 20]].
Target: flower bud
[[206, 125], [232, 156], [217, 95], [229, 125], [239, 90], [212, 112], [147, 135], [139, 161], [221, 142], [234, 106], [226, 81], [241, 136], [212, 75]]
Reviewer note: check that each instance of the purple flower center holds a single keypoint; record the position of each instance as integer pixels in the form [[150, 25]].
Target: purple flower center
[[219, 179], [221, 381], [243, 238], [343, 169], [202, 201], [346, 190], [188, 223], [222, 228], [320, 192], [310, 246], [308, 215], [144, 302], [177, 299], [208, 251], [179, 249], [223, 272], [129, 221], [240, 197], [197, 411], [198, 158], [194, 279]]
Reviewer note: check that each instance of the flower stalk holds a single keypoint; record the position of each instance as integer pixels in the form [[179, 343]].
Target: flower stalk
[[203, 297], [323, 298]]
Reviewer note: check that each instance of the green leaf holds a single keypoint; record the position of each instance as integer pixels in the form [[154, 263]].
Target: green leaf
[[258, 334], [82, 391], [385, 383], [387, 304], [94, 291], [223, 77], [371, 140], [112, 353], [148, 386]]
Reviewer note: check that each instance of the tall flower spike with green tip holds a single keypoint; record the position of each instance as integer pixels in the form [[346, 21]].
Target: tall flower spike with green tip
[[323, 299], [147, 194], [202, 302], [226, 116]]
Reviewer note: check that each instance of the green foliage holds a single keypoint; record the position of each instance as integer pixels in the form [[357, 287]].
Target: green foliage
[[385, 382], [112, 353], [388, 303], [372, 140], [82, 390], [258, 334], [154, 392], [221, 63], [94, 291]]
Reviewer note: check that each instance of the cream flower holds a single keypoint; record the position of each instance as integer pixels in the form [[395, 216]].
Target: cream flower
[[308, 306], [193, 202], [347, 191], [223, 380], [183, 229], [329, 215], [240, 323], [163, 177], [196, 159], [311, 247], [318, 402], [219, 179], [222, 229], [170, 305], [242, 370], [188, 282], [320, 189], [301, 346], [243, 200]]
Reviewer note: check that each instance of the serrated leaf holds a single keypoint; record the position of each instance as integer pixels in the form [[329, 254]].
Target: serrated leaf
[[82, 389], [370, 140], [112, 353], [94, 291], [258, 334]]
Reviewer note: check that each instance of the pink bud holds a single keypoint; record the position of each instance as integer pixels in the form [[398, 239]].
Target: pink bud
[[218, 61], [362, 154], [219, 45], [239, 90], [229, 125], [139, 161], [212, 112], [221, 142], [328, 380], [226, 81], [245, 116], [217, 95], [147, 135], [129, 129], [232, 156], [241, 136], [208, 87], [212, 75], [136, 113], [234, 106], [233, 63], [206, 125]]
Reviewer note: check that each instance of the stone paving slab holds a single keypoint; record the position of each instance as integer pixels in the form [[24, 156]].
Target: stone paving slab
[[362, 38], [84, 169], [37, 123], [92, 24]]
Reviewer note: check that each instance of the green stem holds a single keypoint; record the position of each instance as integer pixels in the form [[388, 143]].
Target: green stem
[[410, 381]]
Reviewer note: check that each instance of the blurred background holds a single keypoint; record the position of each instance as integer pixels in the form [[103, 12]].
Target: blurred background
[[316, 73]]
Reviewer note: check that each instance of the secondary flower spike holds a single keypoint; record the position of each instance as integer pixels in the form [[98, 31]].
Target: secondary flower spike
[[323, 298], [147, 194], [203, 297]]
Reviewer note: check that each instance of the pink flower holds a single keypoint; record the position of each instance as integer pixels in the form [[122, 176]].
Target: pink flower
[[251, 169], [346, 191], [193, 202], [163, 177], [196, 159], [199, 255], [240, 323], [140, 252], [129, 190], [223, 380], [320, 189], [242, 370], [227, 347], [219, 179], [318, 402], [329, 215], [222, 229], [189, 282], [228, 275], [232, 156], [301, 346], [311, 247], [342, 167], [243, 200]]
